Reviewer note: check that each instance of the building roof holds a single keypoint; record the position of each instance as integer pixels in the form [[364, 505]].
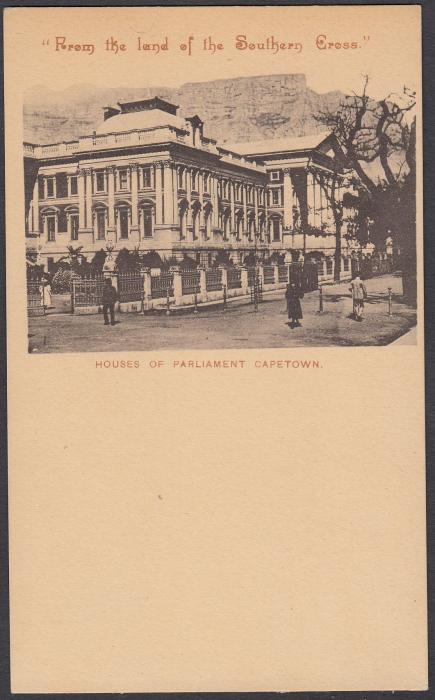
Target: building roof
[[287, 143], [139, 120]]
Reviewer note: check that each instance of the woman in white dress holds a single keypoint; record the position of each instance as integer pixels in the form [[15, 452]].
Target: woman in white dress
[[46, 294]]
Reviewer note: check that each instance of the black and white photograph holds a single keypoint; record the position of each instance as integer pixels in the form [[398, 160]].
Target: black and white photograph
[[249, 212]]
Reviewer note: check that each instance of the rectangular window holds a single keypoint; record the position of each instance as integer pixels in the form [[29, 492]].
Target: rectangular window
[[276, 199], [147, 218], [101, 225], [147, 180], [51, 228], [194, 181], [123, 179], [329, 264], [49, 187], [100, 181], [73, 185], [275, 229], [123, 223], [74, 223], [181, 179], [346, 264], [206, 182], [274, 175]]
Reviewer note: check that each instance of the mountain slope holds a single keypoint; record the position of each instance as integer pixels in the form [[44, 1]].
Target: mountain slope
[[239, 109]]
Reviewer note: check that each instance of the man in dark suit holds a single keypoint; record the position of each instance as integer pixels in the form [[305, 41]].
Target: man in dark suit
[[110, 296]]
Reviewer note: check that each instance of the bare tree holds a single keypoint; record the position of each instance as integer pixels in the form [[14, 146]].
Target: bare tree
[[378, 140]]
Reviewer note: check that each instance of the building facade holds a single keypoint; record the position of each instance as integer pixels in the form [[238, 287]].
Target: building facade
[[149, 179]]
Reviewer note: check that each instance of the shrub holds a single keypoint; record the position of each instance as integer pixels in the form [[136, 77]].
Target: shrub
[[61, 283]]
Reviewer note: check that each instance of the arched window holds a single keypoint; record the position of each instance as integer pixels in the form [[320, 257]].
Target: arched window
[[196, 213], [194, 180], [51, 223], [207, 220], [275, 225], [100, 222], [239, 225], [182, 215], [180, 175], [146, 220], [123, 220], [72, 215]]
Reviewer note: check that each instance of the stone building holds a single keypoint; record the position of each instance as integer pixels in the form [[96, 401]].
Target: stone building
[[149, 179]]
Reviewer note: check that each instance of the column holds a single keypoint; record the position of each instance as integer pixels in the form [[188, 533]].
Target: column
[[215, 201], [257, 223], [88, 196], [111, 197], [311, 202], [168, 195], [245, 210], [134, 173], [318, 201], [189, 234], [35, 207], [159, 194], [233, 208], [175, 194], [81, 193], [201, 198], [288, 200]]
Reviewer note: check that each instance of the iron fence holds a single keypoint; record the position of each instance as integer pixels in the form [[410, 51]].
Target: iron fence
[[161, 285], [268, 274], [251, 276], [130, 286], [282, 273], [234, 278], [213, 280], [190, 282], [87, 291], [35, 303]]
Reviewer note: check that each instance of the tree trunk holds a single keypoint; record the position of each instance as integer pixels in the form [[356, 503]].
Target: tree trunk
[[337, 254]]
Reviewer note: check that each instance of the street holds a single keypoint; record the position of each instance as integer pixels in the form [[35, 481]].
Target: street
[[237, 327]]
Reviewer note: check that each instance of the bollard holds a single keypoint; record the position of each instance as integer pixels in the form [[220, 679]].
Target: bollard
[[195, 299], [320, 299], [224, 307], [389, 300], [168, 307]]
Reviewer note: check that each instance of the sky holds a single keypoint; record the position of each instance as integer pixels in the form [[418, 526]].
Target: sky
[[387, 40]]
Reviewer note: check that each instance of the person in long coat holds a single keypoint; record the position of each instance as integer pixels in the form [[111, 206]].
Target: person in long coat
[[110, 296], [294, 310], [359, 294]]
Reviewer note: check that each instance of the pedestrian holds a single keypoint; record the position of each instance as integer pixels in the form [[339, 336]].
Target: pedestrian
[[293, 296], [110, 295], [45, 291], [359, 294]]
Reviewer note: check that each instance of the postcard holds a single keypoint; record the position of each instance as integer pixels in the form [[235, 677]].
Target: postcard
[[215, 349]]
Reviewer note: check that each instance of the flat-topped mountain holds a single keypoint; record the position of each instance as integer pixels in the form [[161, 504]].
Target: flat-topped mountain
[[236, 109]]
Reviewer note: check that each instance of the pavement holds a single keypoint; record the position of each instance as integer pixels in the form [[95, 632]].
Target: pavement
[[237, 327]]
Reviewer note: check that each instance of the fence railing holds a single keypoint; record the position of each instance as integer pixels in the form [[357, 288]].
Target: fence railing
[[213, 280], [161, 285], [130, 286], [35, 303], [234, 278], [282, 273], [269, 274], [87, 291], [190, 281]]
